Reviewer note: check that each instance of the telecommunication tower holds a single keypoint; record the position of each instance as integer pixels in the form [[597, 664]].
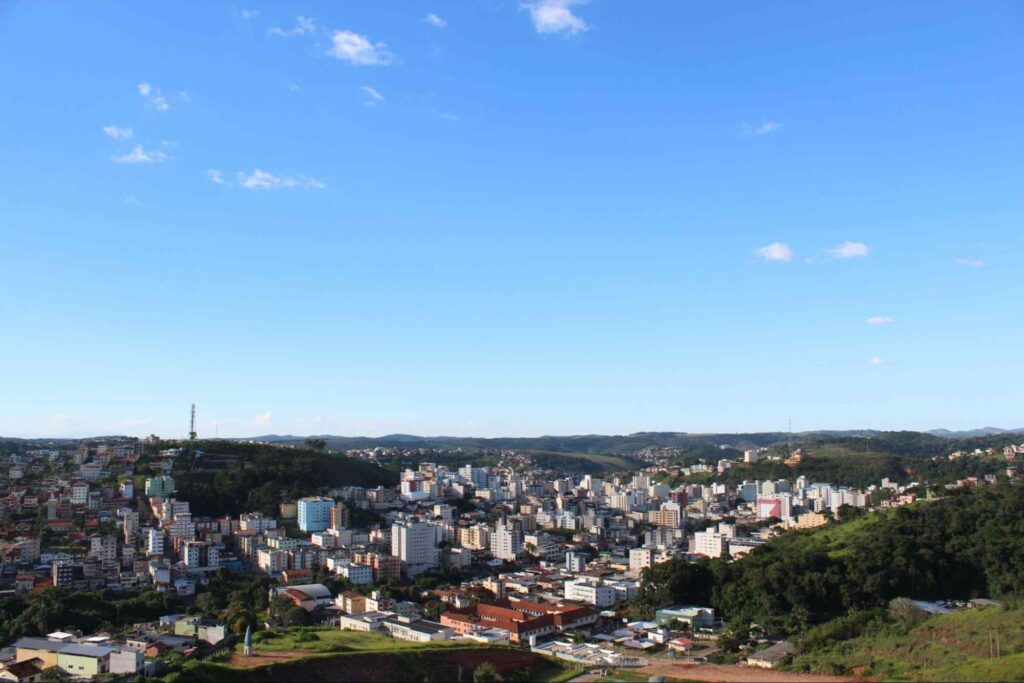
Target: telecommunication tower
[[192, 428]]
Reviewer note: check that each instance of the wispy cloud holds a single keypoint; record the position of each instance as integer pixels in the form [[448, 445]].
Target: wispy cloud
[[216, 176], [154, 97], [435, 20], [248, 13], [262, 419], [303, 26], [763, 129], [118, 133], [849, 250], [294, 87], [878, 360], [776, 251], [556, 16], [879, 320], [131, 200], [374, 95], [969, 262], [353, 48], [262, 180], [138, 155]]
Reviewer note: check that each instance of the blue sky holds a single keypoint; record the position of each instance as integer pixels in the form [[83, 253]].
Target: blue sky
[[502, 218]]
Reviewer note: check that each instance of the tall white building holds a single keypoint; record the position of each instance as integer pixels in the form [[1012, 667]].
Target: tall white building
[[591, 591], [507, 541], [414, 486], [154, 541], [201, 556], [103, 547], [640, 559], [709, 543], [576, 563], [415, 544]]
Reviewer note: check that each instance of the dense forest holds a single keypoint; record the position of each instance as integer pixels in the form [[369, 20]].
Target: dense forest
[[260, 476], [62, 609], [964, 545]]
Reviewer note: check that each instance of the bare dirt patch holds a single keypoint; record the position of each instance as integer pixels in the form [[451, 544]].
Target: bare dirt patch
[[735, 673]]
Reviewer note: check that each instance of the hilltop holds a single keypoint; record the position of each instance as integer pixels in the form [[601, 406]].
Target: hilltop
[[897, 442], [227, 477], [950, 647]]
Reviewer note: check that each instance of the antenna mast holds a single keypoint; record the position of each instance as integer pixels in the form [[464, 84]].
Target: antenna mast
[[192, 430]]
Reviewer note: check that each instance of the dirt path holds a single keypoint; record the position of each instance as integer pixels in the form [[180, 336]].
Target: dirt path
[[734, 673], [241, 661]]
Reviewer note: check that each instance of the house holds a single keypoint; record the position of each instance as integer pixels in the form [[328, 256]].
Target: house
[[84, 661], [416, 630], [680, 644], [29, 671], [351, 602], [366, 622], [692, 616], [773, 656], [206, 630]]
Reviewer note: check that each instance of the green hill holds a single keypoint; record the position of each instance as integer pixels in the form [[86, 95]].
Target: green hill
[[967, 544], [950, 647], [226, 477]]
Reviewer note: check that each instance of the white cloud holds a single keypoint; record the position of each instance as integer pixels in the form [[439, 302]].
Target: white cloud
[[154, 97], [448, 116], [969, 262], [138, 155], [555, 16], [262, 180], [303, 26], [879, 320], [435, 20], [850, 250], [374, 94], [359, 50], [878, 360], [216, 176], [248, 13], [262, 419], [764, 129], [776, 251], [118, 133], [131, 200], [294, 87]]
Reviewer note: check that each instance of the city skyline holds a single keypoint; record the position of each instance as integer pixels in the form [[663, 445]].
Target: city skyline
[[509, 219]]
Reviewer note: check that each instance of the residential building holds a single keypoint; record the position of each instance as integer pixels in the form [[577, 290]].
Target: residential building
[[315, 513]]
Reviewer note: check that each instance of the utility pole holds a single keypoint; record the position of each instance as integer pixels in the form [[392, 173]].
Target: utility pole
[[192, 428]]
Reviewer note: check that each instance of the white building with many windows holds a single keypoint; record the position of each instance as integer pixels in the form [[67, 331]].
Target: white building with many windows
[[415, 543]]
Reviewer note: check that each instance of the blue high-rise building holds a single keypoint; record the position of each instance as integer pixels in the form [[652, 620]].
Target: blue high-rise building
[[315, 513]]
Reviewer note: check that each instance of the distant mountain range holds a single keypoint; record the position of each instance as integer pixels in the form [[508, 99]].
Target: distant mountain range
[[600, 443], [628, 443], [971, 433]]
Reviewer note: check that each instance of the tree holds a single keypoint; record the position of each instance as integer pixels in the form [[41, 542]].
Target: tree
[[316, 444], [480, 594], [486, 673]]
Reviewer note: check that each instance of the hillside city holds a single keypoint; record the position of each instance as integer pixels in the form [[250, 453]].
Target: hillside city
[[499, 555]]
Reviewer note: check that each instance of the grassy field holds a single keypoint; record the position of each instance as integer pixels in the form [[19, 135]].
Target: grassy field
[[949, 647], [334, 641], [318, 654]]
